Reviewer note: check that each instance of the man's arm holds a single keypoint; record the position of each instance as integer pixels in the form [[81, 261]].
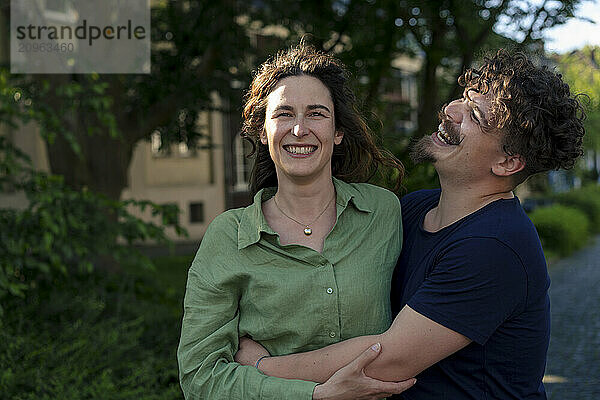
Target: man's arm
[[413, 343]]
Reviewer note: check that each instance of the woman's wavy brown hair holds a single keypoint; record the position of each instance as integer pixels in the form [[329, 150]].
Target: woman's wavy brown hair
[[534, 109], [356, 159]]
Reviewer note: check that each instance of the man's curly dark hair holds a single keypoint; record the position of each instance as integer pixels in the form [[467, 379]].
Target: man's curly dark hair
[[541, 121]]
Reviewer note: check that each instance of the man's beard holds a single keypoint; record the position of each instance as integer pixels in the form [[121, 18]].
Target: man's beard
[[420, 152]]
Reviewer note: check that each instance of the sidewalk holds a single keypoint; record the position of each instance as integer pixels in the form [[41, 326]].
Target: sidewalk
[[573, 368]]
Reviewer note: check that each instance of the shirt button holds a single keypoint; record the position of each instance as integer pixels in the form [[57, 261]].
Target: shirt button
[[329, 290], [332, 334]]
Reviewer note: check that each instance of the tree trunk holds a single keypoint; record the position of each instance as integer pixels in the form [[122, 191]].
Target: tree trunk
[[102, 167], [457, 90], [427, 115]]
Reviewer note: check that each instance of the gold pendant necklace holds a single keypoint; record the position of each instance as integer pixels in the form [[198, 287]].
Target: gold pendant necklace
[[307, 228]]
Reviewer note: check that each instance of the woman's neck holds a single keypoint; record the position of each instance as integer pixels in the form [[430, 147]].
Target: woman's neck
[[305, 200]]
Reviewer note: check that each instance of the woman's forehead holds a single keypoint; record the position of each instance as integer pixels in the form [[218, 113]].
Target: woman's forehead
[[299, 89]]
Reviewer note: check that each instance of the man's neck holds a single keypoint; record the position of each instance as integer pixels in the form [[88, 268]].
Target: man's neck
[[455, 204]]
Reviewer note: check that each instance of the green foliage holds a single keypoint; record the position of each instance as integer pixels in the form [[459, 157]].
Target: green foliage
[[438, 38], [581, 70], [586, 200], [422, 176], [562, 229], [61, 231], [94, 337]]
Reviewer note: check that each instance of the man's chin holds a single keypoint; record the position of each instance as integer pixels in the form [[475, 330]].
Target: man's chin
[[420, 151]]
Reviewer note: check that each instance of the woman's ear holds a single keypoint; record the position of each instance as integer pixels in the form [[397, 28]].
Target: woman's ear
[[338, 136], [263, 137]]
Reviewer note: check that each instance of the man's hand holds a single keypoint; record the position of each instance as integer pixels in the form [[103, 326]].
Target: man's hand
[[249, 352], [350, 382]]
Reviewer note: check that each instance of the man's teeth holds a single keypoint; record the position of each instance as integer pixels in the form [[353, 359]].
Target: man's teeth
[[443, 136], [300, 149]]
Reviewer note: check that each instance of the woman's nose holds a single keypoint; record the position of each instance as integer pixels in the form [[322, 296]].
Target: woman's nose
[[300, 130]]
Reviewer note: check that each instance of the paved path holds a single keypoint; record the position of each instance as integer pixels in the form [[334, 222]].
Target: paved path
[[574, 353]]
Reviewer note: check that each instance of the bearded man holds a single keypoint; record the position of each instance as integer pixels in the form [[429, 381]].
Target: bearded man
[[470, 290]]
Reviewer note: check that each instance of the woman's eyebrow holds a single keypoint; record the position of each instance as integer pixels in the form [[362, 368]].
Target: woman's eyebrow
[[284, 107], [315, 106]]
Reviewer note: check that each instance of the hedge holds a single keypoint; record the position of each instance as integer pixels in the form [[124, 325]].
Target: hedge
[[93, 337], [586, 200], [562, 229]]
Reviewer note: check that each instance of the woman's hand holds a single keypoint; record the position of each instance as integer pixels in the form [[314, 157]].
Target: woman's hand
[[351, 382], [249, 352]]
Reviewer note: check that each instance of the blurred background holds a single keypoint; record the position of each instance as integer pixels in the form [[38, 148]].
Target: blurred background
[[108, 182]]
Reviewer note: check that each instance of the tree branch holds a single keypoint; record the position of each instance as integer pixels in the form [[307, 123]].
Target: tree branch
[[343, 26], [163, 111], [535, 18]]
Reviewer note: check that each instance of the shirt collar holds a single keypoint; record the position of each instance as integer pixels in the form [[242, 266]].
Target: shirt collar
[[253, 221]]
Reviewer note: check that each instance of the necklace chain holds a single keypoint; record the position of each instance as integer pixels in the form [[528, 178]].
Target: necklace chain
[[307, 229]]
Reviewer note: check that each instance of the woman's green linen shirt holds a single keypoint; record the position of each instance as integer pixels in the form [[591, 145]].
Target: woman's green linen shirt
[[289, 298]]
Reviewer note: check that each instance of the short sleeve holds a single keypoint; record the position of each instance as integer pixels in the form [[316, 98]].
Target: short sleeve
[[475, 285]]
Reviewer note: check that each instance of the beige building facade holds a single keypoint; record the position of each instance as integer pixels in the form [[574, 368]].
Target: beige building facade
[[193, 180]]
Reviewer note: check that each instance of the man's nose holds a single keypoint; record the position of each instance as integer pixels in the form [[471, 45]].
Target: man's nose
[[453, 111]]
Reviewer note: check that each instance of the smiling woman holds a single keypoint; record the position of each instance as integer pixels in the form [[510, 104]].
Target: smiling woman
[[355, 159], [300, 130], [309, 263]]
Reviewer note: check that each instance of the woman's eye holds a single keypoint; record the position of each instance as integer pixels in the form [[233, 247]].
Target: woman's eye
[[474, 116], [283, 114], [316, 114]]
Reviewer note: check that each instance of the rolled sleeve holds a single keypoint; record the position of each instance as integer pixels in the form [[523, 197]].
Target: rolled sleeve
[[209, 340]]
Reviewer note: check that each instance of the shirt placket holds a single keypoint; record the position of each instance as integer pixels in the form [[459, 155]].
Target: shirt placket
[[325, 289], [328, 290]]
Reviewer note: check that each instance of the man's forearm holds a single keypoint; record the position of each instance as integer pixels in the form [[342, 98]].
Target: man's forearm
[[413, 343], [317, 365]]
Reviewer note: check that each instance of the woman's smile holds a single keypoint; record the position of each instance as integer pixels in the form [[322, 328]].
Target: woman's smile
[[300, 150], [300, 126]]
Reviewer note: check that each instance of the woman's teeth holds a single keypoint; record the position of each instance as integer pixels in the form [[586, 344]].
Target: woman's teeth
[[300, 149]]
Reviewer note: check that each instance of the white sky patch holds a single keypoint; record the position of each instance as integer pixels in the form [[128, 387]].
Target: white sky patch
[[576, 33]]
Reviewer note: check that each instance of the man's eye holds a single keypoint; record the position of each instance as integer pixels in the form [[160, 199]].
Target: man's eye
[[316, 114], [474, 116], [283, 114]]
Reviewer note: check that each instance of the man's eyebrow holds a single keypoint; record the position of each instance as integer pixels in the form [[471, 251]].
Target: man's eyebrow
[[474, 104], [466, 93], [477, 106], [315, 106]]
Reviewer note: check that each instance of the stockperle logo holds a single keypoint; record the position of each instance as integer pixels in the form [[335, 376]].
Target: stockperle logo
[[80, 36]]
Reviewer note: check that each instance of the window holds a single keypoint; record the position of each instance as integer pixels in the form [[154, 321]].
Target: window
[[400, 97], [183, 150], [243, 164], [175, 150], [156, 145], [57, 5], [196, 213]]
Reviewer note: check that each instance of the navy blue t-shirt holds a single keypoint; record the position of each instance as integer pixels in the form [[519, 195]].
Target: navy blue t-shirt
[[485, 277]]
